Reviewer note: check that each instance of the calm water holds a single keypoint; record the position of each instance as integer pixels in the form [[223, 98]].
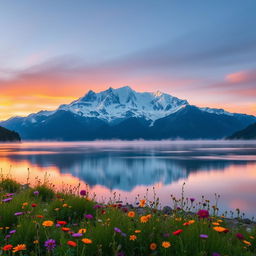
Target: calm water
[[129, 168]]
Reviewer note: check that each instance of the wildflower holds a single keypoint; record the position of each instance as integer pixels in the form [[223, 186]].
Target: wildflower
[[143, 219], [47, 223], [189, 223], [72, 243], [219, 229], [77, 235], [83, 192], [39, 216], [97, 206], [65, 229], [131, 214], [247, 242], [18, 213], [12, 231], [166, 244], [137, 231], [19, 247], [82, 230], [215, 254], [33, 205], [36, 193], [133, 237], [25, 204], [215, 223], [62, 222], [192, 199], [6, 200], [166, 235], [142, 203], [203, 236], [7, 247], [65, 205], [88, 216], [177, 232], [36, 242], [86, 241], [203, 214], [153, 246], [118, 230], [50, 244], [240, 236]]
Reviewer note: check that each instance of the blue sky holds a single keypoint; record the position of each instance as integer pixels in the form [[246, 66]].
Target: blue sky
[[204, 51]]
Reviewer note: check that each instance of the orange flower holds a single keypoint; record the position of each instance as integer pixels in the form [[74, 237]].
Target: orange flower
[[39, 216], [190, 222], [153, 246], [215, 223], [72, 243], [131, 214], [82, 230], [143, 219], [48, 223], [137, 231], [19, 247], [219, 229], [133, 237], [247, 242], [87, 241], [166, 244], [142, 203], [7, 247]]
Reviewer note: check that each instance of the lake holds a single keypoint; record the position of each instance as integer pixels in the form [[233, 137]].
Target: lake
[[128, 169]]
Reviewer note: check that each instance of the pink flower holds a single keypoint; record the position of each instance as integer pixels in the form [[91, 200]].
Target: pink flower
[[203, 214]]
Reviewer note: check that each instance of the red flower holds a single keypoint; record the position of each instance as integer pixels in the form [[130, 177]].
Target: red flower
[[240, 236], [177, 232], [33, 205], [62, 222], [7, 247], [203, 214], [65, 229], [72, 243]]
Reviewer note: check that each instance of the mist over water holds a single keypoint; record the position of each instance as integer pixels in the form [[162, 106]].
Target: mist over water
[[227, 168]]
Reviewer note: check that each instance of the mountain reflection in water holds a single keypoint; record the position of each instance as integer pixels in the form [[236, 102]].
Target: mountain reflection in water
[[207, 167]]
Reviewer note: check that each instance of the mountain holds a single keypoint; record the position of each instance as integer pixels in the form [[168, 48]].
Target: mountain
[[8, 136], [126, 114], [249, 133]]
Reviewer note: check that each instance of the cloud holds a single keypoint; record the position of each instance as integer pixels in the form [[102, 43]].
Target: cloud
[[242, 77]]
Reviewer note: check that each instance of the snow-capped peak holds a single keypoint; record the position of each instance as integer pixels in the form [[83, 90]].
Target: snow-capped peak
[[124, 102]]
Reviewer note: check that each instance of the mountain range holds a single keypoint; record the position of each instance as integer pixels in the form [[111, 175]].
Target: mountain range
[[249, 133], [126, 114]]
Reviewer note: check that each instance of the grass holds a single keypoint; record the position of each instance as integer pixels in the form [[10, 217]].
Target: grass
[[41, 221]]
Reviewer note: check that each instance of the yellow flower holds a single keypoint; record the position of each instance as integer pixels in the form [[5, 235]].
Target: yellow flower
[[216, 223], [47, 223], [36, 242], [137, 231], [166, 244], [87, 241], [219, 229], [219, 220], [142, 202], [133, 237], [178, 219], [153, 246], [247, 242], [19, 247], [82, 230], [131, 214]]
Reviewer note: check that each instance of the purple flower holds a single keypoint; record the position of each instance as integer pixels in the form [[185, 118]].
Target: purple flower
[[77, 234], [57, 225], [18, 213], [7, 237], [215, 254], [240, 236], [9, 194], [36, 193], [6, 200], [50, 244], [166, 234], [97, 206], [12, 231], [120, 254], [88, 216], [83, 192], [118, 230], [203, 236], [192, 199], [123, 234]]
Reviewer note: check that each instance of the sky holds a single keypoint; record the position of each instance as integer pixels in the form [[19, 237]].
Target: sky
[[52, 52]]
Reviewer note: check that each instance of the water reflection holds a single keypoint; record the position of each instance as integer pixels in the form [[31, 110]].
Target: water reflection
[[228, 168]]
